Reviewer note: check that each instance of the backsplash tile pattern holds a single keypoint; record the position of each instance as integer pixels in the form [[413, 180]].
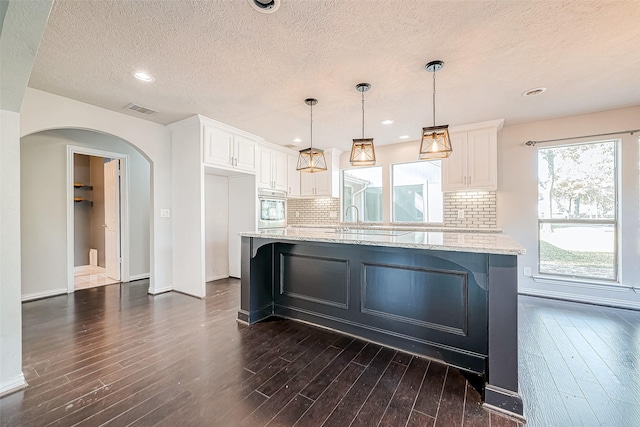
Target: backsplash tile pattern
[[479, 210], [313, 211]]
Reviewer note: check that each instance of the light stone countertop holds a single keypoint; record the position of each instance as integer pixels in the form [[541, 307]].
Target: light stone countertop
[[490, 243], [407, 227]]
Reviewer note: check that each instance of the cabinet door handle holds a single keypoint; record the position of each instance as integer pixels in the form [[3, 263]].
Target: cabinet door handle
[[469, 179]]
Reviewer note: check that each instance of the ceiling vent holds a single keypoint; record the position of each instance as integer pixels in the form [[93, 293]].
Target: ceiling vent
[[141, 109], [265, 6], [290, 146]]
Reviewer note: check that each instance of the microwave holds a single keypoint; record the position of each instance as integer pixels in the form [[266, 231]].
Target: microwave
[[272, 208]]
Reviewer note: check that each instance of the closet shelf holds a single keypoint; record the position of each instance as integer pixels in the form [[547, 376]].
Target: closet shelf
[[79, 185], [82, 200]]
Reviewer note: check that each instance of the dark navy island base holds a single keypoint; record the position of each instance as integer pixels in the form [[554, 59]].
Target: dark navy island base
[[456, 307]]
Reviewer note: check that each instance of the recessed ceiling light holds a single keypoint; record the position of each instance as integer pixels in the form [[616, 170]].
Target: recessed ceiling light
[[141, 75], [265, 6], [404, 137], [388, 122], [534, 91], [297, 140]]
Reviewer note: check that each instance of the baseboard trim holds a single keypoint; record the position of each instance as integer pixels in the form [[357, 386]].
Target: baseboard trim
[[607, 302], [139, 277], [160, 290], [45, 294], [12, 385]]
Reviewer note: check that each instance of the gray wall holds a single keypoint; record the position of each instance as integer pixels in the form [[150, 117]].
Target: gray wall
[[43, 206]]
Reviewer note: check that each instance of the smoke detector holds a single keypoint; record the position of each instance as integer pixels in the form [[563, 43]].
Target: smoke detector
[[265, 6]]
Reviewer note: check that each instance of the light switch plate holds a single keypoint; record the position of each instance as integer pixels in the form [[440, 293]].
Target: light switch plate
[[460, 213], [527, 271], [165, 213], [333, 214]]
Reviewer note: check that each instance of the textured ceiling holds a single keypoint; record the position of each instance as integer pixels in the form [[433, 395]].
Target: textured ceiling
[[224, 60]]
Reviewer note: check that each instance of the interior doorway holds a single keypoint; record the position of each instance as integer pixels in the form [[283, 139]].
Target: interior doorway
[[98, 182]]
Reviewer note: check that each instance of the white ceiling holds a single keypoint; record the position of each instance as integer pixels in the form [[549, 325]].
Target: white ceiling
[[224, 60]]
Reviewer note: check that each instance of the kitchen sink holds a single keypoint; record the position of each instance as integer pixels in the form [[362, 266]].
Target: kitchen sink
[[374, 232]]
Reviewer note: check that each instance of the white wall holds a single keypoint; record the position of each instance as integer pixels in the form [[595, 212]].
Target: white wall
[[10, 310], [517, 199], [44, 207], [21, 30], [45, 111], [216, 213]]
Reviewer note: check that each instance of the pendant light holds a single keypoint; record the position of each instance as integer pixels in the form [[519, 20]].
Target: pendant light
[[311, 159], [362, 151], [436, 142]]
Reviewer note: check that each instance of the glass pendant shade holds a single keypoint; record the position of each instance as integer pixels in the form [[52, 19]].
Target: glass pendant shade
[[436, 143], [311, 160], [363, 153]]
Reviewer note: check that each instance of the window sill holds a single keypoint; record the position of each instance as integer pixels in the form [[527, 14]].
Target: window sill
[[584, 283]]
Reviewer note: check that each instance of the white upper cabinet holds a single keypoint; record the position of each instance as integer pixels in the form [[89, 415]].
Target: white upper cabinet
[[473, 163], [226, 149], [273, 169], [326, 183], [293, 176]]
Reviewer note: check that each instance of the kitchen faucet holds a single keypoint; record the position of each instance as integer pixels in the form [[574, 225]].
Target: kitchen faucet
[[346, 212]]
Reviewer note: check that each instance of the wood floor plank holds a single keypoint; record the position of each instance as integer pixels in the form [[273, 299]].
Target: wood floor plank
[[401, 404], [418, 419], [451, 410], [325, 404], [348, 408], [474, 414], [430, 392], [376, 404]]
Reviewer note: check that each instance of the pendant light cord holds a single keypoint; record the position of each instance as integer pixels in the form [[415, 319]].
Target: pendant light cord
[[434, 98], [311, 136], [362, 114]]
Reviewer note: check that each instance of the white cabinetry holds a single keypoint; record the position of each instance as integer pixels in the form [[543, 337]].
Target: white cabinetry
[[226, 149], [273, 169], [293, 176], [323, 184], [473, 163]]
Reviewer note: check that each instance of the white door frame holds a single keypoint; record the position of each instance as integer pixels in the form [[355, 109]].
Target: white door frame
[[124, 209]]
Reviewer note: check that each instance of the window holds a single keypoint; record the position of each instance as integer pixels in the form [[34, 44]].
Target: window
[[577, 210], [362, 188], [417, 192]]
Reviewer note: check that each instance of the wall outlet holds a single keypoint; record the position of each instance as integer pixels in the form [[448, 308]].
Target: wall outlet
[[460, 213], [527, 271], [333, 214], [165, 213], [297, 214]]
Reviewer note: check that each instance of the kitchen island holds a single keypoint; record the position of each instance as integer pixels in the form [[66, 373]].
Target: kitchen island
[[449, 296]]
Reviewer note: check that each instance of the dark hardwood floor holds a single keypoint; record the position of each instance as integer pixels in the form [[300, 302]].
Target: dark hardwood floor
[[579, 364], [117, 356]]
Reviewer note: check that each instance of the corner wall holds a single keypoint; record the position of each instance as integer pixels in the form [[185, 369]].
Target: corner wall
[[517, 200]]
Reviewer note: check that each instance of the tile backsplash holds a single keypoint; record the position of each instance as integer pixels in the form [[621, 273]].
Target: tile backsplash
[[477, 207], [325, 210]]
